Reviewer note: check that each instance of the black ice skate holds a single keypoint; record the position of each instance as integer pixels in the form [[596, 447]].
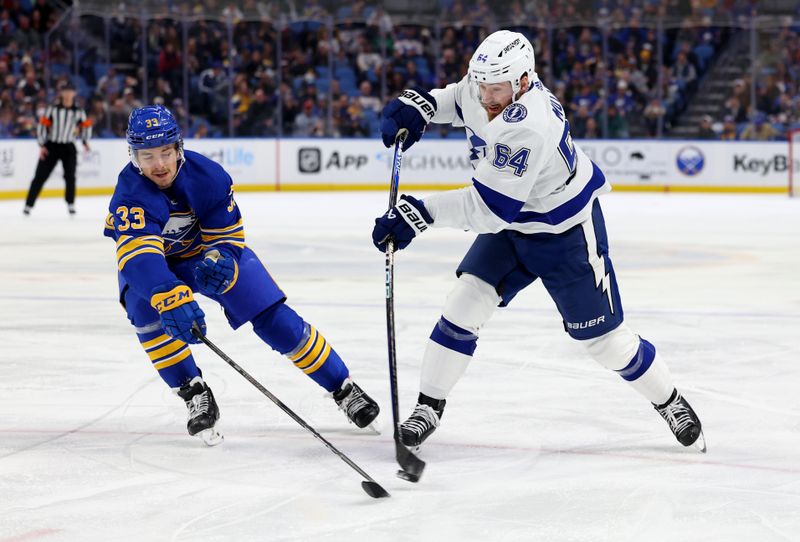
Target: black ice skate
[[203, 411], [683, 421], [422, 422], [359, 407]]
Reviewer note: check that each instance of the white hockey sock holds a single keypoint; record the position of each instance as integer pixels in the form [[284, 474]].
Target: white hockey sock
[[635, 360], [656, 383], [454, 338], [441, 369]]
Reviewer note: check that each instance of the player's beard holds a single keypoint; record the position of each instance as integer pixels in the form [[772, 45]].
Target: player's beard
[[498, 108]]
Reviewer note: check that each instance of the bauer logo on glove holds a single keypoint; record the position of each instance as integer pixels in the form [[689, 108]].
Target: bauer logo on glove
[[411, 97], [411, 111], [401, 223], [409, 213]]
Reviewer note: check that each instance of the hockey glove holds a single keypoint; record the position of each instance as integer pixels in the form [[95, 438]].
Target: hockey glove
[[412, 110], [402, 223], [216, 273], [178, 311]]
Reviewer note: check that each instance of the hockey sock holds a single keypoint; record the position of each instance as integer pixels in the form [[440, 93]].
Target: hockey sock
[[648, 374], [469, 305], [285, 331], [635, 360], [447, 356], [170, 357]]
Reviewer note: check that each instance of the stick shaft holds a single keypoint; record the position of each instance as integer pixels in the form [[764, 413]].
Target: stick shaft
[[282, 406]]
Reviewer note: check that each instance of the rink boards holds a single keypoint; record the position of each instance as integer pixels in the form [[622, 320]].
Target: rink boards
[[364, 164]]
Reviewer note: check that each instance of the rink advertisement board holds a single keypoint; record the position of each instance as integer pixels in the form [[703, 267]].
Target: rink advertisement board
[[248, 161], [353, 164]]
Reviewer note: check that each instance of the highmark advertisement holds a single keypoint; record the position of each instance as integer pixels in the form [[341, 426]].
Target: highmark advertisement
[[350, 164]]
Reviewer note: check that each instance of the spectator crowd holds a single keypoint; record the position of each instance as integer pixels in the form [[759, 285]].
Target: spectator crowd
[[261, 69]]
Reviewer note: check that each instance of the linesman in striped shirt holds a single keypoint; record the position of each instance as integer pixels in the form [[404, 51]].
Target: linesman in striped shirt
[[56, 135]]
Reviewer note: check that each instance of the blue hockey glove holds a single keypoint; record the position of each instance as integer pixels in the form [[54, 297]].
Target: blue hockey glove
[[216, 273], [402, 223], [412, 110], [178, 311]]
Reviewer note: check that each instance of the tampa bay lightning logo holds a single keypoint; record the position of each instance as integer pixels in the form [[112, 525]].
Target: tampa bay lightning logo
[[690, 160], [515, 113]]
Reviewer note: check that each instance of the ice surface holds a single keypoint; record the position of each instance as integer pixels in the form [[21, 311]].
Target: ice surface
[[538, 442]]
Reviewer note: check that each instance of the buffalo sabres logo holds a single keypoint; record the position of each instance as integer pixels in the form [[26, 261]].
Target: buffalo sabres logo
[[179, 232], [515, 113], [690, 160]]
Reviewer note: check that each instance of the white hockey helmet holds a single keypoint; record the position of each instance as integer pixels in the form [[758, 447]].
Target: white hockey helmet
[[503, 56]]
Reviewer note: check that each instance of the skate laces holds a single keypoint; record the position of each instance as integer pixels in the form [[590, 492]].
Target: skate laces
[[198, 405], [421, 419], [353, 401], [678, 415]]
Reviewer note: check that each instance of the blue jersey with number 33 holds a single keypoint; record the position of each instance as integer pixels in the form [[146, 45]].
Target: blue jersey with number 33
[[152, 226]]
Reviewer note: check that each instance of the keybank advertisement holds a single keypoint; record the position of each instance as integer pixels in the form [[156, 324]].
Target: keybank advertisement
[[692, 163], [329, 163]]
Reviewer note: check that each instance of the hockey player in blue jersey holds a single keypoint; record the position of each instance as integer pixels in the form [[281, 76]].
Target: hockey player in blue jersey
[[534, 203], [178, 230]]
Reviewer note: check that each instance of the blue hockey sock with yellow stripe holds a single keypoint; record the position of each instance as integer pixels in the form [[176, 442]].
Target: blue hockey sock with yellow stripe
[[171, 358], [285, 331], [316, 358]]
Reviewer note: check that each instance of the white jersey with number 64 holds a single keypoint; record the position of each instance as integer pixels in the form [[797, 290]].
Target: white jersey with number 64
[[529, 176]]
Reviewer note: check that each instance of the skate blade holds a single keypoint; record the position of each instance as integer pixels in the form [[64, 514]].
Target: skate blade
[[210, 436], [373, 428], [408, 476], [700, 443]]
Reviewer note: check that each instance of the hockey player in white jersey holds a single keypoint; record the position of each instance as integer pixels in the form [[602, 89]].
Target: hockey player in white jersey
[[533, 202]]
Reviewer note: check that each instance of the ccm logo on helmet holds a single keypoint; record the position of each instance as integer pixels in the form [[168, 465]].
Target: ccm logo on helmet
[[153, 136]]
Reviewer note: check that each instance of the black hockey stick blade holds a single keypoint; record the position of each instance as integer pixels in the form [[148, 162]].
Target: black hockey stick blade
[[369, 485], [411, 465], [374, 490]]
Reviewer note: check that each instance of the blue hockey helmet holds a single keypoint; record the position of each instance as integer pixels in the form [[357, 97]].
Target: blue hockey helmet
[[152, 126]]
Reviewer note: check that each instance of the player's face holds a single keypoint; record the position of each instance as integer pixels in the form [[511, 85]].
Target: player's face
[[159, 164], [495, 97]]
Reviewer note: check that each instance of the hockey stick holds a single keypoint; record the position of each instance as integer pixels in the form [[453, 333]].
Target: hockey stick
[[370, 486], [411, 466]]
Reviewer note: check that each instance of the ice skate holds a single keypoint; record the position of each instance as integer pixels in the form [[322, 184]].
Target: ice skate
[[71, 209], [359, 407], [683, 421], [203, 411], [422, 422]]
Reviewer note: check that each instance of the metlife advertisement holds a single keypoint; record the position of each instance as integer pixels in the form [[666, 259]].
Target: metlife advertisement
[[350, 164]]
